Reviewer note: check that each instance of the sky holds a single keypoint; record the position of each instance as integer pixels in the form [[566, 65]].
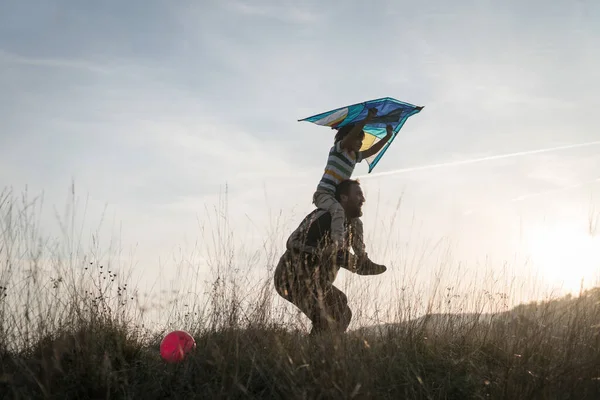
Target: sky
[[160, 110]]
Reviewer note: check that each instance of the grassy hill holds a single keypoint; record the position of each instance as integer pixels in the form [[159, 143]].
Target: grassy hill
[[70, 329], [546, 350]]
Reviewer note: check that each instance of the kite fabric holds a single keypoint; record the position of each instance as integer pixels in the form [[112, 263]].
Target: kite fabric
[[389, 112]]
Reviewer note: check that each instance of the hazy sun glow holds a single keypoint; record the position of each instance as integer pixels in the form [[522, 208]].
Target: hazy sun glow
[[566, 255]]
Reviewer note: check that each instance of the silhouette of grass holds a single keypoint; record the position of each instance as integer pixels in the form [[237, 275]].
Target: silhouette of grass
[[72, 325]]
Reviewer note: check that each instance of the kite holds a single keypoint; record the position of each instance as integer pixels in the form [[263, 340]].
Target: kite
[[389, 112]]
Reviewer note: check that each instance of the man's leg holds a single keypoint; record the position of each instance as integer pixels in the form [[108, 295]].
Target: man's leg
[[293, 283], [324, 304], [334, 315]]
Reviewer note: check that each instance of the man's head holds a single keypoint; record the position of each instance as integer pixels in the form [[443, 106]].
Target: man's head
[[344, 131], [350, 196]]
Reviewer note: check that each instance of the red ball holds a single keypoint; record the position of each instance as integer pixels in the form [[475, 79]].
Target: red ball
[[176, 345]]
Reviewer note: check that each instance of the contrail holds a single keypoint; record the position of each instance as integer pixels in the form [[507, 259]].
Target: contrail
[[476, 160]]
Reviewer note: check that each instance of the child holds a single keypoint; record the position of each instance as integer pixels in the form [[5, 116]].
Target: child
[[343, 156]]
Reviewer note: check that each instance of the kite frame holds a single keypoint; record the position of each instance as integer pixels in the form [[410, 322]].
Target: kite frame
[[416, 110]]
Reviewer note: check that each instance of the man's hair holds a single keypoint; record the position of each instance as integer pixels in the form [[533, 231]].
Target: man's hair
[[343, 188], [343, 132]]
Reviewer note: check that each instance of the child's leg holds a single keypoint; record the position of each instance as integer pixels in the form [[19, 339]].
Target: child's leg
[[357, 238], [327, 201]]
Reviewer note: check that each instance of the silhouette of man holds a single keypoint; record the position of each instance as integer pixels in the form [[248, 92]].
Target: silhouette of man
[[305, 273]]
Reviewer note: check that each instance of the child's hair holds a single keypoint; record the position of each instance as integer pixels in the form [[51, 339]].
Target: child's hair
[[343, 132]]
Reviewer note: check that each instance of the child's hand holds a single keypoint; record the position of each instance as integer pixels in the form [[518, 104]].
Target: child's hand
[[371, 114]]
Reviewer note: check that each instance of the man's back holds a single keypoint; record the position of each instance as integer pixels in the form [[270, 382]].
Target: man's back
[[313, 233]]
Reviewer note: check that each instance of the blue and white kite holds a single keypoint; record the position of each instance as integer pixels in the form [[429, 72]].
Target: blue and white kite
[[389, 112]]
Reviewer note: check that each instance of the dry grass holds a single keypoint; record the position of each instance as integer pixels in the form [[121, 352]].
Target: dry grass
[[72, 326]]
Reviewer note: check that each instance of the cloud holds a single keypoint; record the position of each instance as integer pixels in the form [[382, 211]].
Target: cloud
[[287, 12], [132, 140], [11, 58]]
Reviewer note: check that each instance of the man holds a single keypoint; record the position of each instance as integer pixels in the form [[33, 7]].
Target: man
[[305, 273]]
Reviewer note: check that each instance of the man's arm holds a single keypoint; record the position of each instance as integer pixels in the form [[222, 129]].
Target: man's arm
[[379, 145], [357, 129], [360, 262]]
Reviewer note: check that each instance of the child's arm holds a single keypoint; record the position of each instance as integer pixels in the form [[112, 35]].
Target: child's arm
[[357, 129], [379, 145]]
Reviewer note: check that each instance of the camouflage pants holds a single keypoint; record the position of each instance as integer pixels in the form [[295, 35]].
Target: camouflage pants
[[307, 285]]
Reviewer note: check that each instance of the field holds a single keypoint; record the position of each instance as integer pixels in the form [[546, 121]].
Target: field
[[72, 326]]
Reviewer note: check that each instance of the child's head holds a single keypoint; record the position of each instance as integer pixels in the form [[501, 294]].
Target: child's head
[[344, 131]]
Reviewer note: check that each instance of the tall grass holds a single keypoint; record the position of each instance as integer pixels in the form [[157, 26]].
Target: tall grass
[[73, 325]]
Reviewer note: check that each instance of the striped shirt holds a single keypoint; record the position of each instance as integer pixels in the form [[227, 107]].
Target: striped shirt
[[340, 165]]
